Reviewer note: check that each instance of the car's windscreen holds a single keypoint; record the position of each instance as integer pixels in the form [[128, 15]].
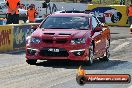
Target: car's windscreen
[[73, 11], [65, 22]]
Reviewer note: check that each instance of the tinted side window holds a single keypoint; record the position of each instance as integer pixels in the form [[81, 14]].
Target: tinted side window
[[94, 22]]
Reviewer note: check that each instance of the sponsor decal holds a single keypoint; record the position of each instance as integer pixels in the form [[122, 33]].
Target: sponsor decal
[[109, 14], [5, 37], [20, 34]]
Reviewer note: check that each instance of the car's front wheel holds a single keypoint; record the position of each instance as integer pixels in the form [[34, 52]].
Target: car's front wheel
[[91, 55], [31, 62]]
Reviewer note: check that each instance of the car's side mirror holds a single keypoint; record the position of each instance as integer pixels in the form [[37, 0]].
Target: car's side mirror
[[34, 27], [98, 29], [104, 25]]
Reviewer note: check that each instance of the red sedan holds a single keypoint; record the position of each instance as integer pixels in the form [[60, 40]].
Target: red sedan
[[69, 36]]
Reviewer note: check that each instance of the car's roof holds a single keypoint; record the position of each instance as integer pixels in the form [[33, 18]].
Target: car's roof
[[71, 14], [69, 11]]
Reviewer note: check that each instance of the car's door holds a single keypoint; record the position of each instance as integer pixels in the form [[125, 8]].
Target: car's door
[[104, 34], [97, 36]]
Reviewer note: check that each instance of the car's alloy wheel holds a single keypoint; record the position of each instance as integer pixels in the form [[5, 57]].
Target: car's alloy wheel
[[31, 62], [107, 53], [91, 55]]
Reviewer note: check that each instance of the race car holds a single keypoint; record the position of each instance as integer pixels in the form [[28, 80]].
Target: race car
[[69, 36]]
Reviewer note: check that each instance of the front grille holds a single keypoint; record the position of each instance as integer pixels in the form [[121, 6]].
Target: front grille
[[62, 52], [61, 41], [57, 41], [64, 34], [47, 40]]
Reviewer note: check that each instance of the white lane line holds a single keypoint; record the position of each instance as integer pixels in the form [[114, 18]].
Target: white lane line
[[130, 39], [119, 47], [130, 86], [117, 41]]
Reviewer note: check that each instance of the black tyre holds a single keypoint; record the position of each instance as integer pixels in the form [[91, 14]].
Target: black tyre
[[31, 62], [91, 55]]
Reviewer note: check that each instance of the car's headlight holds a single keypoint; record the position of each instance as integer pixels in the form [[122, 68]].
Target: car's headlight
[[78, 41], [35, 40]]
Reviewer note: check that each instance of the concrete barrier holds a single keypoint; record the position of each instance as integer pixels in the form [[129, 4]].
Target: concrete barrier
[[13, 36], [114, 15]]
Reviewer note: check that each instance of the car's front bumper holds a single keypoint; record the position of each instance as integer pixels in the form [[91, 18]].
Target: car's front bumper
[[74, 53]]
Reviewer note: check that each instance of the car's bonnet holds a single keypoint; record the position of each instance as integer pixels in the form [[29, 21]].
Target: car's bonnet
[[60, 32]]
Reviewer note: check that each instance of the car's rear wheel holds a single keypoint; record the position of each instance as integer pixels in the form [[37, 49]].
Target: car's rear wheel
[[107, 53], [31, 62], [91, 55]]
